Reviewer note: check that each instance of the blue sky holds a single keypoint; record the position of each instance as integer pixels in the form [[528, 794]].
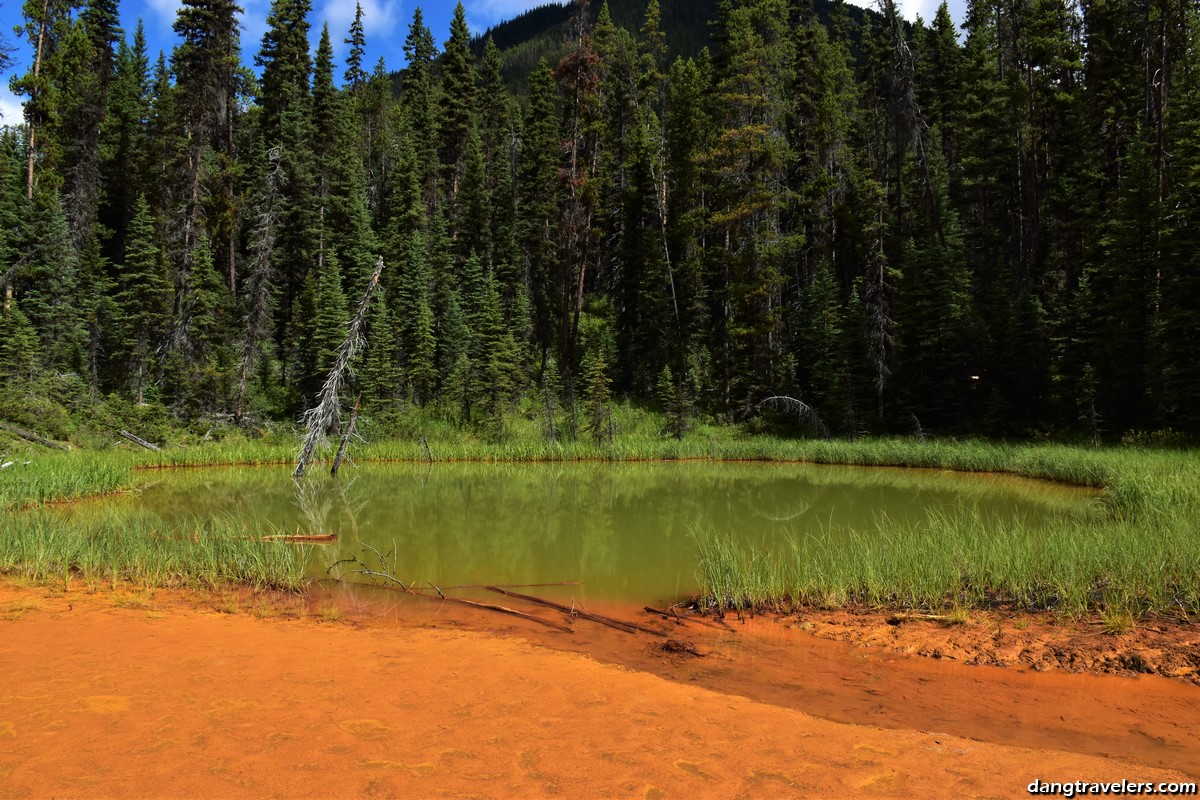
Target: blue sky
[[385, 21]]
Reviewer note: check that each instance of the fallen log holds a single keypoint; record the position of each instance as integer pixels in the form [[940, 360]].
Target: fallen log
[[514, 585], [668, 614], [32, 437], [502, 610], [898, 619], [140, 441], [672, 614], [620, 625], [407, 589], [300, 537]]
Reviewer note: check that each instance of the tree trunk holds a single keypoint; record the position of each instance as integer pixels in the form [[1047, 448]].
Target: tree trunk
[[37, 71]]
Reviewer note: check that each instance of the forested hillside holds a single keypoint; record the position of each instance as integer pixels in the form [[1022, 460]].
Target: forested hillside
[[994, 233], [545, 31]]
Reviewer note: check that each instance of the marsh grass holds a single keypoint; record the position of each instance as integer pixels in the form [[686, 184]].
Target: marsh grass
[[1119, 565], [1138, 552], [121, 549]]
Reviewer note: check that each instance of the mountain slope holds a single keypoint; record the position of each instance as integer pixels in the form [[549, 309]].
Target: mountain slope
[[543, 32]]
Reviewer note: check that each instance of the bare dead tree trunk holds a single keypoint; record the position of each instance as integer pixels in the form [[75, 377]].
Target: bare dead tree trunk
[[322, 418], [260, 292], [341, 453]]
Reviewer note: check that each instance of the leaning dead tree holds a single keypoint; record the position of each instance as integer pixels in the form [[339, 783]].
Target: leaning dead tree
[[326, 416], [803, 411]]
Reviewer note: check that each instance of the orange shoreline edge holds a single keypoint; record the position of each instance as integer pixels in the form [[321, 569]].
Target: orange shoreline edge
[[111, 695]]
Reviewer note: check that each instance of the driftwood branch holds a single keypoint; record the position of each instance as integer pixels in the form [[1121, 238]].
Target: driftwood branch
[[401, 586], [32, 437], [299, 538], [621, 625], [140, 442], [506, 610]]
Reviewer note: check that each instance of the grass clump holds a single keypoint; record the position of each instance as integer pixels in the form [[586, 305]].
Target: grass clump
[[117, 549], [1138, 553], [1123, 566]]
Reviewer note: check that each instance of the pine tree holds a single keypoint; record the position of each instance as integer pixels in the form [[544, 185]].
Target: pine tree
[[1180, 294], [285, 62], [47, 285], [206, 65], [46, 25], [539, 198], [125, 166], [750, 158], [379, 377], [419, 100], [672, 399], [331, 320], [143, 300], [597, 392], [457, 102], [819, 336], [79, 95], [355, 75], [422, 361], [18, 348]]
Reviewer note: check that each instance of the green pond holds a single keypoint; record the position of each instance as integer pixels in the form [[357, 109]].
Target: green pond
[[624, 531]]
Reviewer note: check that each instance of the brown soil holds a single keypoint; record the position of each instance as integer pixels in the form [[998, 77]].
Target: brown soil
[[1041, 642], [117, 694]]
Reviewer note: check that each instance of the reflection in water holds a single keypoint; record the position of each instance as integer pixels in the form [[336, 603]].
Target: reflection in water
[[623, 530]]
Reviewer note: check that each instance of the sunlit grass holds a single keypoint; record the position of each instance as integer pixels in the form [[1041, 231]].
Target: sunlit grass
[[121, 549], [1138, 553], [1116, 563]]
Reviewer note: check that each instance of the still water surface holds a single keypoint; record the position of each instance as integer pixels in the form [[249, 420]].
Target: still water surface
[[623, 530]]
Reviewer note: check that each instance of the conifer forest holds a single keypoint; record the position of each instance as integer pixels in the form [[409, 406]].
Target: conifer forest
[[905, 226]]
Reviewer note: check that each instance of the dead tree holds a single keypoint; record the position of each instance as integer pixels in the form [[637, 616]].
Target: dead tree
[[804, 412], [323, 418], [260, 280]]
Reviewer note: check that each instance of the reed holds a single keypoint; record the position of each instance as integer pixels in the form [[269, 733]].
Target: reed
[[123, 548], [1137, 554]]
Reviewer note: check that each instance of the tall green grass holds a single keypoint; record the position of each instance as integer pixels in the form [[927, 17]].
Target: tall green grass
[[1140, 554], [1136, 564], [34, 479], [121, 548]]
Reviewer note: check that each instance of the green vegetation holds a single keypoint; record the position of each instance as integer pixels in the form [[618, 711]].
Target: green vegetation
[[1129, 567], [909, 226], [118, 550], [1137, 555]]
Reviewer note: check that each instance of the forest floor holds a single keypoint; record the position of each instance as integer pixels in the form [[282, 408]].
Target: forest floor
[[172, 693]]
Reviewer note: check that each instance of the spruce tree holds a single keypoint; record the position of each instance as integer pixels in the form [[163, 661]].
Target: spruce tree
[[355, 75], [19, 346], [539, 198], [379, 376], [457, 102], [597, 392], [143, 300]]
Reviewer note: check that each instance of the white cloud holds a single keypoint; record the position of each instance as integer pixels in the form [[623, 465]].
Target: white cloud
[[254, 25], [12, 110], [910, 9], [164, 11], [380, 18], [489, 12]]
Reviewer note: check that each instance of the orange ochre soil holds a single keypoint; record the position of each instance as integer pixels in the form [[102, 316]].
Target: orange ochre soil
[[119, 694]]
